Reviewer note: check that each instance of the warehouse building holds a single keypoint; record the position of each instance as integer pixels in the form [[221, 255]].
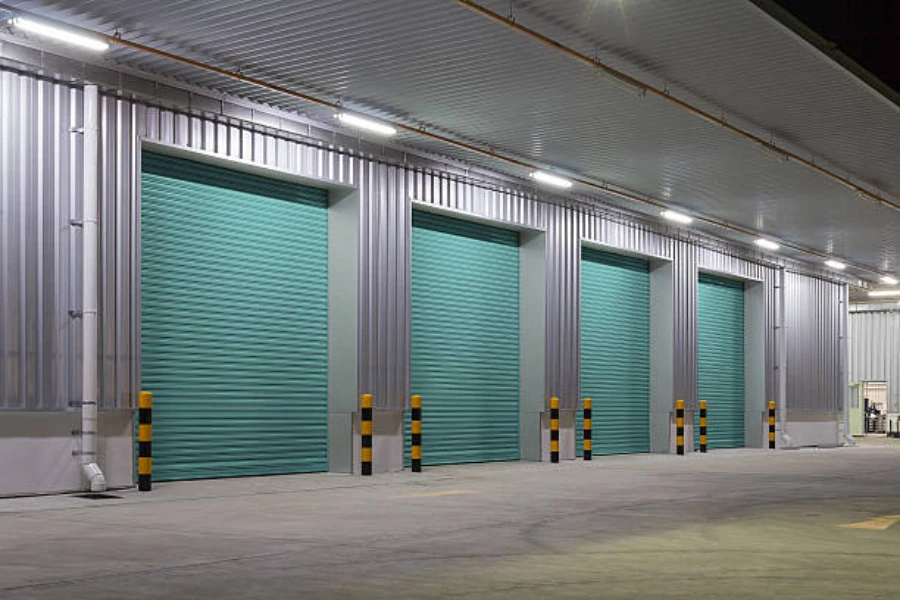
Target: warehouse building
[[259, 265], [353, 238]]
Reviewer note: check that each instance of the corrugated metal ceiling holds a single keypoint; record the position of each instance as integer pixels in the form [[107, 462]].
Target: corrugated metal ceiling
[[435, 62]]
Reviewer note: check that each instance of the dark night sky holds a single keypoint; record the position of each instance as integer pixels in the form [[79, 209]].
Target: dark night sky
[[866, 30]]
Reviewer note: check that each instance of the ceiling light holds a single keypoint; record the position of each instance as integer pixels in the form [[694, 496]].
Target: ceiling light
[[57, 33], [678, 217], [887, 279], [884, 294], [550, 179], [835, 264], [364, 123], [767, 244]]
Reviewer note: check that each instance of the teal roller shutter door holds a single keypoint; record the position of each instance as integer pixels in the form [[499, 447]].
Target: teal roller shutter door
[[234, 293], [720, 360], [465, 340], [615, 352]]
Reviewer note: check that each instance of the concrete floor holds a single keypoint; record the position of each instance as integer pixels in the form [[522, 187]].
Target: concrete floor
[[730, 524]]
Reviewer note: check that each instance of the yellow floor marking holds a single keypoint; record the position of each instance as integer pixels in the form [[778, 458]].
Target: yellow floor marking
[[877, 523], [437, 494]]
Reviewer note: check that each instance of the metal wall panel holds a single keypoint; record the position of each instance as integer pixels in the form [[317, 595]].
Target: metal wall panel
[[39, 167], [563, 307], [40, 263], [41, 259], [816, 353], [684, 258], [875, 347]]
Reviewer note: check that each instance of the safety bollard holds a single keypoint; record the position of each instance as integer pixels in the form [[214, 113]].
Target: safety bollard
[[771, 425], [145, 442], [554, 429], [366, 434], [588, 442], [703, 426], [416, 445], [679, 426]]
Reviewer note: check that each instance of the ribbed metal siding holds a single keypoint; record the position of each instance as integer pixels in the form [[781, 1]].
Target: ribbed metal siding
[[36, 333], [684, 259], [52, 172], [40, 251], [563, 307], [815, 362], [40, 159], [875, 348]]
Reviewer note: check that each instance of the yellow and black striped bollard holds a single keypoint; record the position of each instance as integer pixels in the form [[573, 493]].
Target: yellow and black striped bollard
[[679, 426], [703, 426], [145, 442], [554, 429], [416, 445], [366, 434], [588, 442], [771, 425]]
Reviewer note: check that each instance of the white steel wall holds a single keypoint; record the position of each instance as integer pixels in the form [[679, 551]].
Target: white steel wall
[[40, 261], [816, 363]]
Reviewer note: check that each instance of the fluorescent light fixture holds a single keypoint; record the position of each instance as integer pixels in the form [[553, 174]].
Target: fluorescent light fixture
[[767, 244], [888, 280], [677, 217], [835, 264], [884, 294], [551, 179], [60, 34], [364, 123]]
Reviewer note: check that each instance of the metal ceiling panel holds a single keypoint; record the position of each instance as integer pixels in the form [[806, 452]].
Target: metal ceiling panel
[[437, 64]]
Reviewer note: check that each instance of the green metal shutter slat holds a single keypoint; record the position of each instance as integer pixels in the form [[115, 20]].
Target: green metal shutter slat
[[465, 340], [615, 352], [720, 360], [234, 301]]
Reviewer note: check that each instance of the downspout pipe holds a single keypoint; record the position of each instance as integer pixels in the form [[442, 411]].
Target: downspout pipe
[[90, 267]]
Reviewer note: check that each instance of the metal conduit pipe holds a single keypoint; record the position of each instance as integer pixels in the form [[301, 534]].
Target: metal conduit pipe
[[665, 95], [421, 131], [90, 265]]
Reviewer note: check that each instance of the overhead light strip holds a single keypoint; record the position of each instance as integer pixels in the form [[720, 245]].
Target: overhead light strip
[[551, 179], [601, 187], [767, 244], [365, 123], [59, 34], [884, 294], [677, 217]]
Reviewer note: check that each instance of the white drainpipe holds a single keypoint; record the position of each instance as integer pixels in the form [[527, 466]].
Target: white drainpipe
[[89, 395]]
